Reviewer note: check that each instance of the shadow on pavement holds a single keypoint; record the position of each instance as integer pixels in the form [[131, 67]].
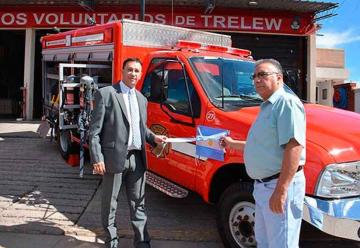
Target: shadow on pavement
[[16, 240], [39, 192]]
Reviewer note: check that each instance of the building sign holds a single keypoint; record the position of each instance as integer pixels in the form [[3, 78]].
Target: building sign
[[220, 20]]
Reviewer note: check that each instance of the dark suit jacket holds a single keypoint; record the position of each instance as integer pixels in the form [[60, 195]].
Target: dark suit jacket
[[109, 128]]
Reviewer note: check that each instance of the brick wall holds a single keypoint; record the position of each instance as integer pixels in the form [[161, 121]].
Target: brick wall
[[330, 58]]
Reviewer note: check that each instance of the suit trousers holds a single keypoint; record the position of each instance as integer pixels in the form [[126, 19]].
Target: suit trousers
[[134, 179]]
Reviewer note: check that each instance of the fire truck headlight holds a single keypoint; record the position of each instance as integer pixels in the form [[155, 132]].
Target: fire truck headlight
[[339, 180]]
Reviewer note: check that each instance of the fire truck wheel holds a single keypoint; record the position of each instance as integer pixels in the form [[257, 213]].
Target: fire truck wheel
[[236, 216], [66, 147]]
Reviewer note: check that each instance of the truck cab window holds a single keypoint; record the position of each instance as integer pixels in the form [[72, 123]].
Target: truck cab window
[[152, 88], [226, 82], [177, 94], [166, 83]]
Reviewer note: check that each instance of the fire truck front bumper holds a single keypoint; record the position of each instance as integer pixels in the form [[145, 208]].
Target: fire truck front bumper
[[339, 217]]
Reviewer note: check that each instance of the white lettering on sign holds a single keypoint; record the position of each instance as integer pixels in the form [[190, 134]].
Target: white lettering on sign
[[258, 23], [232, 21], [76, 19], [235, 22], [190, 20], [38, 19], [113, 18], [185, 20], [179, 20], [21, 19], [52, 19], [242, 24], [206, 20], [160, 18], [87, 17], [218, 22], [63, 21], [8, 19], [102, 17], [272, 23]]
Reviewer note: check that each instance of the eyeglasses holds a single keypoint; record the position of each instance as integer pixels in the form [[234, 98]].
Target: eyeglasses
[[262, 74]]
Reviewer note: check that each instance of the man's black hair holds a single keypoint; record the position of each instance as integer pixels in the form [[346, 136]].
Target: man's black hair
[[131, 60]]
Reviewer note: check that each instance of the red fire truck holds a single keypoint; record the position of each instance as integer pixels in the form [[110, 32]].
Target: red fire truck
[[193, 78]]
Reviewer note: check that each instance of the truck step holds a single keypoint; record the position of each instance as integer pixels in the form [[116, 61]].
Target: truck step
[[165, 186]]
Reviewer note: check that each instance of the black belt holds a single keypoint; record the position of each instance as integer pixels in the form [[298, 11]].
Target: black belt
[[267, 179]]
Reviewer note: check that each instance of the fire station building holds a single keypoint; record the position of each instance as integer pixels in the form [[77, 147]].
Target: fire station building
[[280, 29]]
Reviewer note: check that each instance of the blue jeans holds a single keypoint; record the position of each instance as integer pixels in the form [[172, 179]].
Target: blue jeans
[[279, 230]]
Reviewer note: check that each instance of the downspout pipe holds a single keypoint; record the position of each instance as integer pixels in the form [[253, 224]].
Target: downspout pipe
[[142, 10]]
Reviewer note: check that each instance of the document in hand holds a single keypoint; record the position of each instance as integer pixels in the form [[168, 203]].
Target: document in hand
[[208, 142]]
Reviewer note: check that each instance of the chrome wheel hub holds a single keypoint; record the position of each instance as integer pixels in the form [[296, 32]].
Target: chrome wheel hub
[[241, 223]]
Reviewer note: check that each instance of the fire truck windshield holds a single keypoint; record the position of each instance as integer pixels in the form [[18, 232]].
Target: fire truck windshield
[[226, 81]]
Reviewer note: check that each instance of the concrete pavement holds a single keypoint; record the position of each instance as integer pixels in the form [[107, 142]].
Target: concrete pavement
[[43, 203], [19, 240]]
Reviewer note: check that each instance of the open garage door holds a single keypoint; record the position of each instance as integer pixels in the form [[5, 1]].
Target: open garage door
[[12, 45], [290, 51]]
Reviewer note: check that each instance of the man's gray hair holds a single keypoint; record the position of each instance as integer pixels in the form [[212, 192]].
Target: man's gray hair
[[274, 62]]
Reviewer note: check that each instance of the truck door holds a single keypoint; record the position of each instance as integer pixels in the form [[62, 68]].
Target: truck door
[[173, 110]]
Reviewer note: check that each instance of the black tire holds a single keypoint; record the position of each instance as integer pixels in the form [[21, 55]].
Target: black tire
[[66, 147], [236, 216]]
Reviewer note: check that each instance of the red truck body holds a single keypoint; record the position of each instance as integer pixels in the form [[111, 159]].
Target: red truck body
[[189, 78]]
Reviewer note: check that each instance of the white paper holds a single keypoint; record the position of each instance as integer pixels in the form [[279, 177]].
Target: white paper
[[180, 140]]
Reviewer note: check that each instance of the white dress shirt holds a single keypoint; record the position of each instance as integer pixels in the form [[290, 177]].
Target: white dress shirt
[[125, 92]]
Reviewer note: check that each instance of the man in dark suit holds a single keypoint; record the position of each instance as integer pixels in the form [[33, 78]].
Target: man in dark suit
[[118, 134]]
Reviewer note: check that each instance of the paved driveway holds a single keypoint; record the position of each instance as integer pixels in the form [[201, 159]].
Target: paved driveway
[[40, 193]]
